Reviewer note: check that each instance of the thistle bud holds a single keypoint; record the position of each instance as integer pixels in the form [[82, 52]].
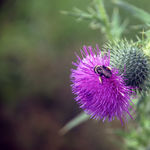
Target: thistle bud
[[131, 62]]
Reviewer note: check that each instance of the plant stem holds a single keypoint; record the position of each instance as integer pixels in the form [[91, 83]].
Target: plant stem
[[105, 18]]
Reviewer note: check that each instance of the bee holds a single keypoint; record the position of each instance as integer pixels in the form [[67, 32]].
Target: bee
[[102, 71]]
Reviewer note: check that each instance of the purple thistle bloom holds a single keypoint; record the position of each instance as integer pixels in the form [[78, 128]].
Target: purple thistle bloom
[[100, 90]]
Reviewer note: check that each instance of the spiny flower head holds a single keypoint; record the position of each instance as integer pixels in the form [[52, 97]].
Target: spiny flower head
[[98, 87], [132, 62]]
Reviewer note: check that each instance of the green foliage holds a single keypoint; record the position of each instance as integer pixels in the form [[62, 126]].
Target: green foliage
[[98, 17], [138, 135], [133, 10], [138, 13]]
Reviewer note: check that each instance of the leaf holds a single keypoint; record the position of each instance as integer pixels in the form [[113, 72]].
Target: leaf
[[82, 117], [117, 28], [79, 14], [135, 11]]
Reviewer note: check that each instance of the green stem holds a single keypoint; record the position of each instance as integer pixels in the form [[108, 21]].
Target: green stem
[[105, 18], [82, 117]]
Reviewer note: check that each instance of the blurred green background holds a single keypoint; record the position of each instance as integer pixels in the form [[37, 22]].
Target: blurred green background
[[37, 45]]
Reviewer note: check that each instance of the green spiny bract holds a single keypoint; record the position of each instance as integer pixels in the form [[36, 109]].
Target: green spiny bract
[[131, 62]]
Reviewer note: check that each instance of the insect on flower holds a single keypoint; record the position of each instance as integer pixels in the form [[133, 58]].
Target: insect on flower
[[100, 90], [103, 71]]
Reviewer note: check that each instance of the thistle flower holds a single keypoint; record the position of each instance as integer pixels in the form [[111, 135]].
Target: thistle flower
[[131, 60], [100, 90]]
